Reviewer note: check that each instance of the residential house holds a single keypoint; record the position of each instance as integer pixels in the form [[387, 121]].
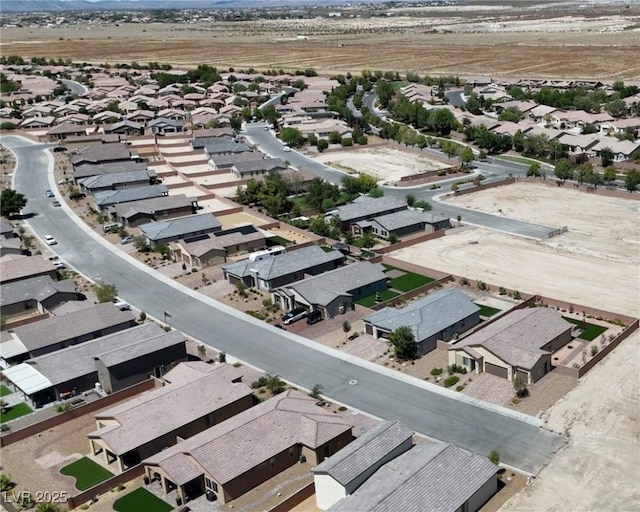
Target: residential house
[[211, 133], [87, 170], [203, 142], [577, 119], [334, 292], [64, 130], [102, 153], [578, 144], [37, 294], [622, 126], [231, 458], [210, 249], [383, 470], [141, 116], [519, 344], [164, 125], [10, 242], [26, 267], [226, 162], [193, 397], [32, 123], [401, 223], [256, 168], [134, 213], [366, 208], [165, 231], [267, 272], [442, 315], [117, 180], [63, 331], [125, 127], [223, 146], [110, 363], [622, 149], [542, 113], [107, 198]]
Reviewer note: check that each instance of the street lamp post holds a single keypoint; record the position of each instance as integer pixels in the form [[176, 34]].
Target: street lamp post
[[166, 325]]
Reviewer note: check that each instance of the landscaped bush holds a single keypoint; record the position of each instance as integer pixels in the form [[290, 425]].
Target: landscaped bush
[[455, 368], [594, 350], [436, 371], [522, 392], [262, 381], [450, 381], [460, 387]]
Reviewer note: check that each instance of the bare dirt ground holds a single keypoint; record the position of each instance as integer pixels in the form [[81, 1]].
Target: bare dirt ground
[[383, 163], [593, 44]]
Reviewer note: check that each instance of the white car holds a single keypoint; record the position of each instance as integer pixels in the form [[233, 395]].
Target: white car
[[286, 149], [121, 305], [49, 240], [59, 265]]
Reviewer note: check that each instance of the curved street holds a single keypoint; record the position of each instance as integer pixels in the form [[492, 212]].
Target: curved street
[[378, 391]]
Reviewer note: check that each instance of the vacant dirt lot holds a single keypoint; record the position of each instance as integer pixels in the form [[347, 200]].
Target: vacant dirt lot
[[420, 44], [383, 163]]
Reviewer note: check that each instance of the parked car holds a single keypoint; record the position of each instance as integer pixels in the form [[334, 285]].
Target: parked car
[[294, 315], [314, 317], [49, 240], [59, 265], [126, 240], [286, 149], [55, 202], [50, 193], [121, 305], [108, 228]]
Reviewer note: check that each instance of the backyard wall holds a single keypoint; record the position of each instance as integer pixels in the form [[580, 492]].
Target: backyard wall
[[295, 499], [77, 412], [412, 293], [106, 486], [424, 237]]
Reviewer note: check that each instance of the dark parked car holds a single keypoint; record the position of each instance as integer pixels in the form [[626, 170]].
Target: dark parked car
[[294, 315], [314, 317]]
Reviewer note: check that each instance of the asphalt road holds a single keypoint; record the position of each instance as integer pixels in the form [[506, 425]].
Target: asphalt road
[[455, 97], [75, 87], [267, 143], [348, 380]]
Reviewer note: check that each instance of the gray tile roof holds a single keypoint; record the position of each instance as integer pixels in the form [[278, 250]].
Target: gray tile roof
[[175, 229], [518, 338], [369, 207], [161, 411], [79, 360], [73, 325], [102, 153], [5, 227], [151, 206], [326, 287], [36, 288], [283, 264], [267, 164], [432, 476], [220, 241], [201, 142], [221, 161], [366, 452], [213, 132], [117, 178], [164, 121], [427, 316], [225, 146], [243, 442], [125, 195], [405, 218], [24, 267], [11, 243], [86, 170]]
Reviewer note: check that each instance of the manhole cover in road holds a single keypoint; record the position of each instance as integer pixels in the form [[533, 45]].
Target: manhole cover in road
[[353, 382]]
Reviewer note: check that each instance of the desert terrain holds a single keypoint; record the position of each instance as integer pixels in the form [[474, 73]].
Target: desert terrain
[[588, 41], [383, 163]]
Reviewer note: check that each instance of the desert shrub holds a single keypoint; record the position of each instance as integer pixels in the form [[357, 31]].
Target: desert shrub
[[594, 350], [436, 371], [450, 381], [455, 368], [460, 387]]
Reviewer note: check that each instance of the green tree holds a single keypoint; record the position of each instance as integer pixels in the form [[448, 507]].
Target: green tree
[[140, 243], [449, 148], [5, 481], [105, 292], [322, 144], [632, 180], [582, 172], [202, 351], [520, 387], [368, 239], [11, 202], [606, 157], [494, 457], [346, 327], [404, 343], [595, 179], [411, 200], [315, 391], [334, 138], [46, 507], [466, 156], [512, 114], [564, 169], [292, 137], [376, 192], [609, 174], [534, 170]]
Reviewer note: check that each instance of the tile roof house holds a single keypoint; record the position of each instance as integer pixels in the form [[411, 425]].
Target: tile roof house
[[143, 211], [256, 168], [165, 231], [210, 249], [117, 180], [115, 362], [366, 208], [438, 316], [430, 476], [225, 162], [107, 198], [401, 223], [273, 271], [37, 294], [333, 292], [101, 153], [193, 397], [88, 170], [519, 344], [233, 457], [162, 125], [64, 130], [59, 332], [26, 267], [222, 146]]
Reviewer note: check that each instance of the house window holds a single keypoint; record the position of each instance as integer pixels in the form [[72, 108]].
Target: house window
[[465, 361], [210, 485]]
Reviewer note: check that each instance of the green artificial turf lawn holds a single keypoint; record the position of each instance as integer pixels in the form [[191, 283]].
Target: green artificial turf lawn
[[4, 390], [487, 310], [14, 412], [87, 473], [141, 500], [370, 300], [590, 331]]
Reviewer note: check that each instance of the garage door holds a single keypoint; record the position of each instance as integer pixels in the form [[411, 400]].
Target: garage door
[[496, 370]]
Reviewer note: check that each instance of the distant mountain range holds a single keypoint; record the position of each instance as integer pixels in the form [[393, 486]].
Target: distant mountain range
[[145, 5]]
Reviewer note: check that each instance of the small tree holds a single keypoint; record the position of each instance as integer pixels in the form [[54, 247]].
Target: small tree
[[202, 351], [346, 327], [609, 174], [5, 482], [632, 180], [315, 391], [322, 144], [222, 357], [404, 343], [46, 507], [466, 156], [368, 239], [534, 170], [520, 387], [105, 292], [241, 289], [411, 200], [494, 457], [11, 202], [140, 243]]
